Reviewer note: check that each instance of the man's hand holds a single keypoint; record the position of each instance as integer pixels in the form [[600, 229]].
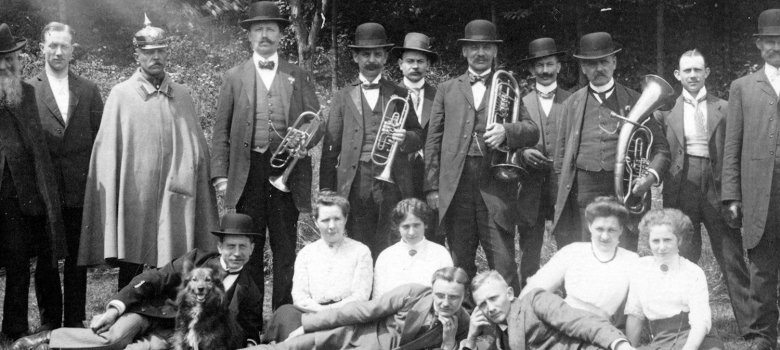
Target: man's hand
[[220, 185], [535, 159], [732, 212], [297, 332], [433, 199], [495, 135], [643, 184], [449, 330], [102, 322], [476, 322]]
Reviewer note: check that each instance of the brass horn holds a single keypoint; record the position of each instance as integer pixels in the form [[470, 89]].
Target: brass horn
[[635, 141], [294, 146], [384, 150], [504, 107]]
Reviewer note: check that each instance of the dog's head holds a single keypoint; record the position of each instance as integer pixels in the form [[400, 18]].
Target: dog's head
[[201, 285]]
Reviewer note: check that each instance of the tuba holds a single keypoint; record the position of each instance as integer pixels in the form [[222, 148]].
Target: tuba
[[294, 146], [384, 149], [504, 107], [633, 150]]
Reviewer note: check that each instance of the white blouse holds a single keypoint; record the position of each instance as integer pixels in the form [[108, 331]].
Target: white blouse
[[395, 266]]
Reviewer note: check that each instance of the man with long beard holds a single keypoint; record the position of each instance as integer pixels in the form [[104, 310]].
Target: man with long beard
[[28, 193]]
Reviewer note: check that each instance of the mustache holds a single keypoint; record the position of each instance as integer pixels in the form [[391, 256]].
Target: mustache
[[373, 66], [546, 75]]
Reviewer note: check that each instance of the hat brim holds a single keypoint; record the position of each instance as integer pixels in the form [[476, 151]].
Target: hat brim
[[226, 233], [582, 57], [556, 53], [758, 35], [463, 40], [248, 22], [399, 51], [18, 45], [370, 46]]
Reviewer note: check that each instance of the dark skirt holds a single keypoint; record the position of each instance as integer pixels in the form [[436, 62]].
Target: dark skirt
[[672, 333]]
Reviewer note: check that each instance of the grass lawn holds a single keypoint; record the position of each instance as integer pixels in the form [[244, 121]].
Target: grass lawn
[[102, 284]]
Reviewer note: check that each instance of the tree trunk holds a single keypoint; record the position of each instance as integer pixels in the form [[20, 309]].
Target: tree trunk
[[305, 36], [579, 10], [62, 9], [659, 38], [334, 57]]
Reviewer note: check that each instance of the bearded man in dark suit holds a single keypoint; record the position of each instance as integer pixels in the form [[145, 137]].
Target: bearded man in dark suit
[[474, 207], [537, 195], [258, 101], [70, 109]]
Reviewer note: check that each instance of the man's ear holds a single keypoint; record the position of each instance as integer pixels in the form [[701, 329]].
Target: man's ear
[[510, 292]]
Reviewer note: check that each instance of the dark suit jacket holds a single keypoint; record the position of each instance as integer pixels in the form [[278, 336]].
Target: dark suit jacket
[[446, 147], [70, 144], [538, 181], [749, 152], [344, 139], [417, 163], [235, 124], [153, 293], [385, 323], [672, 120], [542, 320], [568, 145]]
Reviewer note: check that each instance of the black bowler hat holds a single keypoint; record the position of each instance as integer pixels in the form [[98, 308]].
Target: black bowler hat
[[8, 43], [236, 224], [596, 45], [542, 47], [263, 11], [769, 23], [417, 42], [370, 36], [480, 31]]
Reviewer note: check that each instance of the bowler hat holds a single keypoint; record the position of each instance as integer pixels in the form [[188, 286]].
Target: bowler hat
[[417, 42], [263, 11], [236, 224], [596, 45], [542, 47], [769, 23], [480, 31], [8, 43], [150, 37], [370, 36]]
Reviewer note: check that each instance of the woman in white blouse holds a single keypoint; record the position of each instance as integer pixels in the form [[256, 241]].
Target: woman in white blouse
[[668, 292], [413, 259], [593, 275]]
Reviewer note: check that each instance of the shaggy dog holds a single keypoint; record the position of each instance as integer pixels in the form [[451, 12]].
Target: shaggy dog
[[203, 321]]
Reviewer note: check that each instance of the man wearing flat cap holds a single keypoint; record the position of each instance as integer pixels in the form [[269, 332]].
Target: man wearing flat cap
[[414, 59], [587, 143], [537, 196], [259, 100], [148, 197], [141, 315], [29, 197], [751, 178], [474, 207], [355, 116]]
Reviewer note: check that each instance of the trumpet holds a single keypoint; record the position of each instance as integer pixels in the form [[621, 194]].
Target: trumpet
[[294, 147], [504, 107], [384, 149], [632, 161]]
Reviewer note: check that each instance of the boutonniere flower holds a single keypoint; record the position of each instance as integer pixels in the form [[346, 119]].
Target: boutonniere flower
[[291, 79]]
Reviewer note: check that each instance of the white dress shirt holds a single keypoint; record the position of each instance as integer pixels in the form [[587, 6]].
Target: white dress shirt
[[546, 103], [371, 95], [773, 74], [419, 98], [606, 87], [695, 139], [478, 89], [61, 90], [266, 75]]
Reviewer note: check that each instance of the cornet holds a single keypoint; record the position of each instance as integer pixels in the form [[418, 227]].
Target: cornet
[[504, 107], [385, 148], [294, 147]]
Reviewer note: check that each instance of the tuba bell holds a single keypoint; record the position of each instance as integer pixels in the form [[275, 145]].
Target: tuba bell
[[384, 149], [504, 107], [635, 141], [294, 146]]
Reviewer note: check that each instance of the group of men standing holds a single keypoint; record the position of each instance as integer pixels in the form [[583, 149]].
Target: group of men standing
[[133, 182]]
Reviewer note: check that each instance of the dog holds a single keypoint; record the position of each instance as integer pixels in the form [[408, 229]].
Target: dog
[[203, 320]]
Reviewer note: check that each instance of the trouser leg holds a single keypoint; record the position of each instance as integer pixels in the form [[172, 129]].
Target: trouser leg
[[48, 291], [531, 241], [283, 236], [122, 333], [15, 245], [499, 246], [74, 276], [460, 223], [693, 189], [372, 201]]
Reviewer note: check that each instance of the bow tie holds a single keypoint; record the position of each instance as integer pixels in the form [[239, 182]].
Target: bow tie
[[370, 86], [473, 78], [546, 95], [265, 65]]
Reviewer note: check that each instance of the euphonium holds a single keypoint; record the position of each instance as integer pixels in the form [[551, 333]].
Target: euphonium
[[635, 141], [384, 150], [294, 147], [504, 107]]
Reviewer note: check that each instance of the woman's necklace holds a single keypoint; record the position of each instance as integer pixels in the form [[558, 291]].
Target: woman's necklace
[[665, 267], [603, 261]]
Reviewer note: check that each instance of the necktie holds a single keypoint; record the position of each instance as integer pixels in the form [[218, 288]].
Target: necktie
[[603, 95], [265, 65], [473, 78], [546, 95], [701, 122], [415, 97], [370, 86]]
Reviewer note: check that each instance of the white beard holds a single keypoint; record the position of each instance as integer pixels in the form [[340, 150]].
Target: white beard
[[10, 91]]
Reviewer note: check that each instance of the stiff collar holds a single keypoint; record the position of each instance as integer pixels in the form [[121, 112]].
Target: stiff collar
[[603, 88], [224, 266], [700, 95], [412, 85], [364, 80], [146, 89], [483, 74], [547, 89]]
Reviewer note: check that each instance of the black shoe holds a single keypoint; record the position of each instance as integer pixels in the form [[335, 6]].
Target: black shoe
[[34, 341]]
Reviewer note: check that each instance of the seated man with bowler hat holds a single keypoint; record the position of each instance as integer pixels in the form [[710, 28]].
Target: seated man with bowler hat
[[587, 141], [143, 312]]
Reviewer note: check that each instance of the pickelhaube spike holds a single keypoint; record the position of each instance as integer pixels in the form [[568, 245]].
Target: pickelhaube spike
[[150, 37]]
